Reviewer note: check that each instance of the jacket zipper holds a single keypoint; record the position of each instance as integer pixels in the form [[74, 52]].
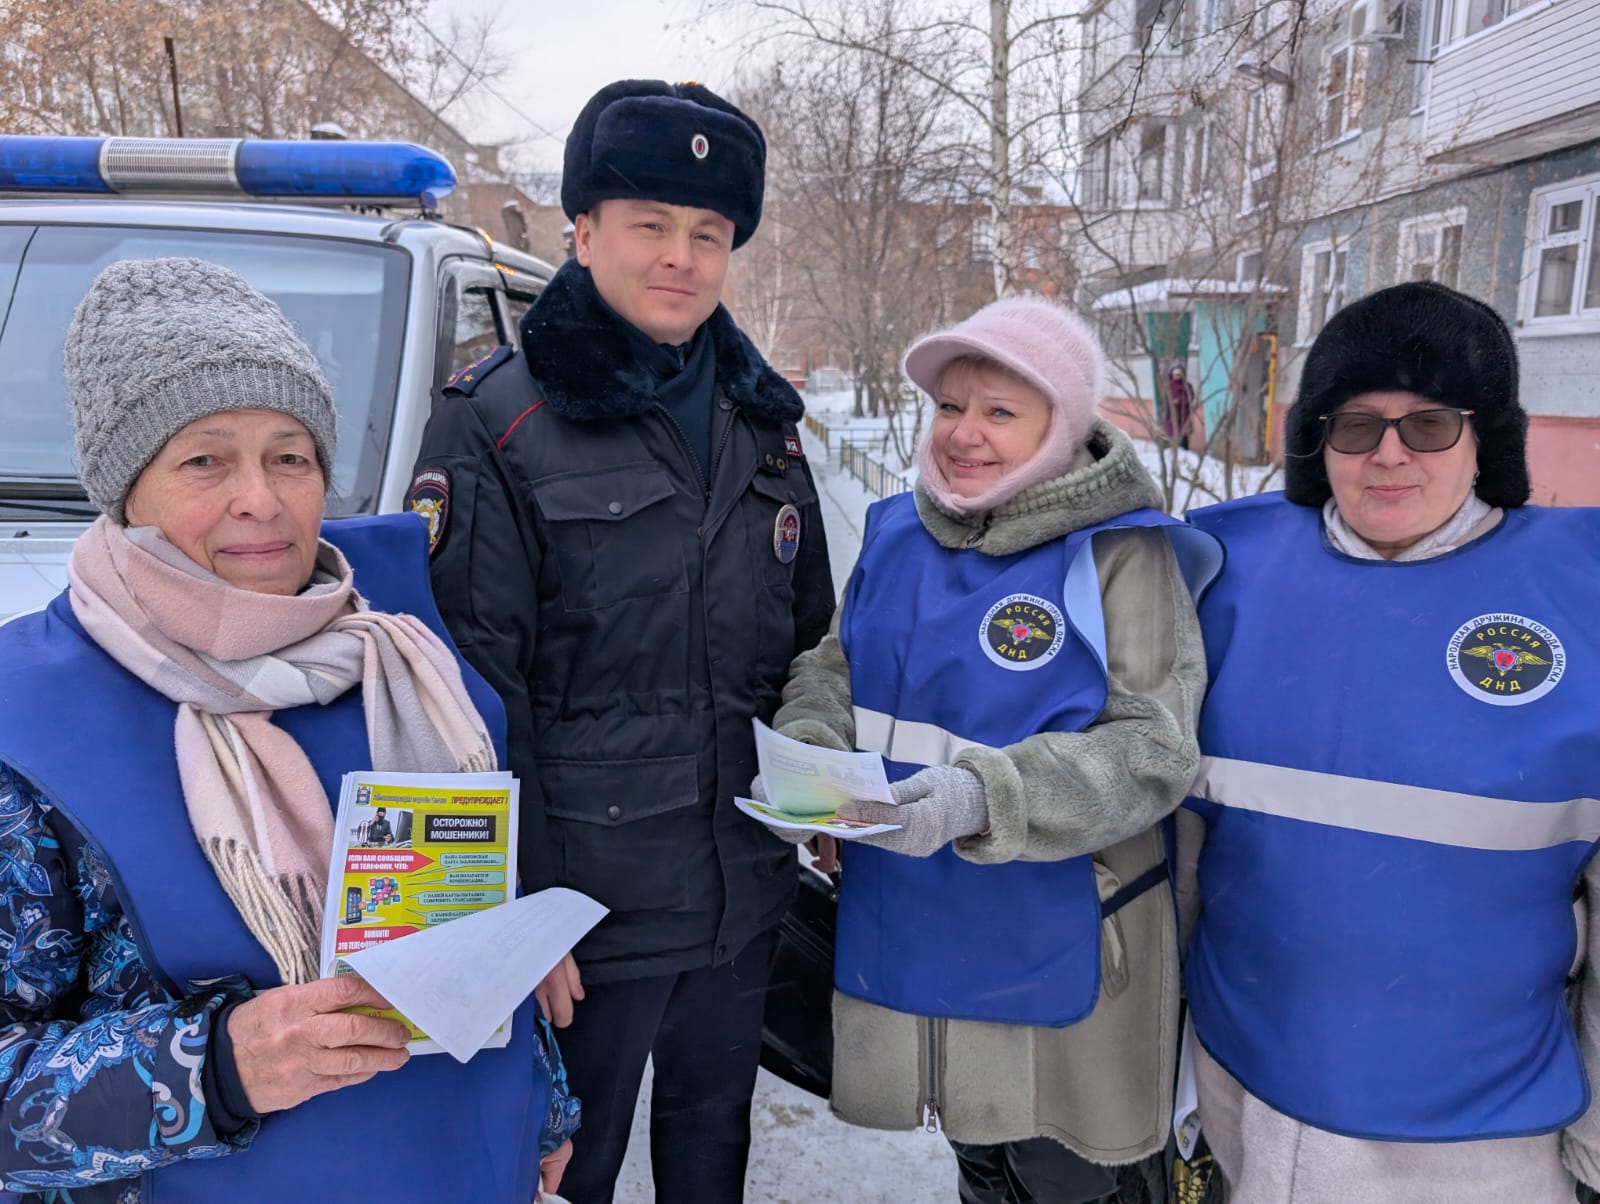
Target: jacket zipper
[[931, 1102], [683, 442], [976, 537]]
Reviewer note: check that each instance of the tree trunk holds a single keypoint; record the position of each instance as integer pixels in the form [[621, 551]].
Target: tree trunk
[[1000, 143]]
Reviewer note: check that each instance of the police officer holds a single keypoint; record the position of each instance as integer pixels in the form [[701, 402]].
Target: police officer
[[626, 543]]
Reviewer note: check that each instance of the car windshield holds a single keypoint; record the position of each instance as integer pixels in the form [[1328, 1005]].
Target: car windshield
[[347, 299]]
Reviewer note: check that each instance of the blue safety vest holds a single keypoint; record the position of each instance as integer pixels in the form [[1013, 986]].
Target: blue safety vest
[[950, 649], [1401, 764], [433, 1130]]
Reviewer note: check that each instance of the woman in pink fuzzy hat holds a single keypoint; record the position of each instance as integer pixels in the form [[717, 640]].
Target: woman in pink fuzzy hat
[[1018, 642]]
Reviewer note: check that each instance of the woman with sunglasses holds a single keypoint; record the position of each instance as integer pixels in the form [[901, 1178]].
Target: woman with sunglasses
[[1397, 802]]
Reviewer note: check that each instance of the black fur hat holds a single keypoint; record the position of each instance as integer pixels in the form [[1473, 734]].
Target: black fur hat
[[678, 143], [1421, 338]]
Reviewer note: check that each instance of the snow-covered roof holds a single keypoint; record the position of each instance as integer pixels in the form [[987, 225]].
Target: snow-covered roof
[[1154, 294]]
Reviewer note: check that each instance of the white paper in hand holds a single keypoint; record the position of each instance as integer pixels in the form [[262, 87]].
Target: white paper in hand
[[802, 779], [459, 981]]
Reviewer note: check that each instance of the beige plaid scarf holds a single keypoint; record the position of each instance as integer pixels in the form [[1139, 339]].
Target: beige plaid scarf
[[229, 658]]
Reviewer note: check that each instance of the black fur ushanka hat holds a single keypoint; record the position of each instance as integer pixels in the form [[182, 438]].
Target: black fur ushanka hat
[[1421, 338], [677, 143]]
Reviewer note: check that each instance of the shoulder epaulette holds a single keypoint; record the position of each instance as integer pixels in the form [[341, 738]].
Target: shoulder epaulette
[[465, 382]]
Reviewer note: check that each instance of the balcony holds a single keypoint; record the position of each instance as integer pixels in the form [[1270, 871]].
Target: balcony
[[1525, 87]]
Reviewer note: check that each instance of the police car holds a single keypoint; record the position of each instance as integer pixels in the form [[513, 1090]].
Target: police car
[[392, 300]]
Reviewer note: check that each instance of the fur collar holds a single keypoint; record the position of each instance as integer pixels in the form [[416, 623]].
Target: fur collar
[[578, 351]]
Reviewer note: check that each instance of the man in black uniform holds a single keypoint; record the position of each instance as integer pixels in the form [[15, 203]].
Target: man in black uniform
[[378, 831], [627, 545]]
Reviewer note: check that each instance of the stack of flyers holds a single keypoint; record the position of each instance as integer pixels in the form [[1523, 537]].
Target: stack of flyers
[[806, 785]]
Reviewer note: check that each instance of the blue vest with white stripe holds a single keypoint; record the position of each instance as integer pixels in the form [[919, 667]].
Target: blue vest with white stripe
[[1401, 766], [950, 649], [477, 1125]]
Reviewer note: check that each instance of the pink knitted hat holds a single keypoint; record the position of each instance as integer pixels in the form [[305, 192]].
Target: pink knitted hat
[[1045, 344]]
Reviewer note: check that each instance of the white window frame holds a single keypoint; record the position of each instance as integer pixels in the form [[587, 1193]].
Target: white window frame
[[1243, 276], [1434, 224], [1310, 322], [1578, 319], [1258, 173], [1164, 36], [1455, 29], [1164, 168], [983, 239], [1431, 38], [1352, 96]]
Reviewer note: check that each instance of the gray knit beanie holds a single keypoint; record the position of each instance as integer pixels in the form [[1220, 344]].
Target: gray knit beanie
[[158, 343]]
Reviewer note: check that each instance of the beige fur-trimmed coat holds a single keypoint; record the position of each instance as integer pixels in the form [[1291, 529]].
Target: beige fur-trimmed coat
[[1102, 1087]]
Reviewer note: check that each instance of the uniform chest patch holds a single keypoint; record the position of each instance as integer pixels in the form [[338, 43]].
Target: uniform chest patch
[[786, 535], [429, 496], [1022, 631], [1505, 660]]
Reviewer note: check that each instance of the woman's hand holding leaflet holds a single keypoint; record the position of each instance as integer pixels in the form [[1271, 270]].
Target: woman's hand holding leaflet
[[935, 806], [291, 1043]]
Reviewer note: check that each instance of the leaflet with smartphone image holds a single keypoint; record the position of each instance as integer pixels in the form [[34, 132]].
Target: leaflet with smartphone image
[[422, 904], [806, 785]]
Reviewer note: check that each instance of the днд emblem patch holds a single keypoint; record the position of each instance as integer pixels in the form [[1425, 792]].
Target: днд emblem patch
[[429, 496], [1022, 632], [786, 535], [1505, 660]]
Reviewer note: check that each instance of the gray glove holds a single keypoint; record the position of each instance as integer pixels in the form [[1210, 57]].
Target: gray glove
[[758, 793], [937, 805]]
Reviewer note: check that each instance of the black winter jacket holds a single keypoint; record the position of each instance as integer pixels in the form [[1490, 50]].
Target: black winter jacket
[[633, 620]]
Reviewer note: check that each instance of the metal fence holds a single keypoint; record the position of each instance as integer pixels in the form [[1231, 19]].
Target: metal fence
[[878, 479]]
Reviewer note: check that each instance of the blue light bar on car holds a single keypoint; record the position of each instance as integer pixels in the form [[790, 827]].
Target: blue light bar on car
[[226, 167]]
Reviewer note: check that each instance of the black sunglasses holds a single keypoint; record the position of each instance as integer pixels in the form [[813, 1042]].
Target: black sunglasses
[[1353, 433]]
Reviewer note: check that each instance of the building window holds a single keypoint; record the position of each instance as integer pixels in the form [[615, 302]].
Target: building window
[[1153, 24], [1430, 247], [1151, 166], [1430, 40], [1322, 268], [1098, 184], [1481, 14], [1565, 267], [1344, 78], [1247, 267], [983, 236], [1263, 121]]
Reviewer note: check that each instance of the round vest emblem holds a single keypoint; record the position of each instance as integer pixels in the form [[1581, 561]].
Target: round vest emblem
[[786, 534], [1022, 631], [699, 147], [1505, 660]]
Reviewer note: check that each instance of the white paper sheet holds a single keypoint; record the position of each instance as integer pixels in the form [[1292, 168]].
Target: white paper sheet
[[827, 825], [804, 780], [459, 981]]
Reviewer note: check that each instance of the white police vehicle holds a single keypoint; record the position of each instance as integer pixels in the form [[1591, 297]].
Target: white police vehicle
[[391, 300]]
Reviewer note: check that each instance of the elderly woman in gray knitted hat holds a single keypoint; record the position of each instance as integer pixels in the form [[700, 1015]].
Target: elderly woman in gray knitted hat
[[171, 729], [1397, 807], [1018, 642]]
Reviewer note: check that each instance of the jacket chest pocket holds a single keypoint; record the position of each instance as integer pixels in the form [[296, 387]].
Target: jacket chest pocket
[[613, 535], [776, 525]]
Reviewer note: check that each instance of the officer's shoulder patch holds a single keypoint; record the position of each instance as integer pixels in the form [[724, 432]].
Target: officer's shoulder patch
[[466, 381], [429, 496], [791, 446]]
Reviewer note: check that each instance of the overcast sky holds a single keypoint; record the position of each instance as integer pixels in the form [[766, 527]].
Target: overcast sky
[[562, 53]]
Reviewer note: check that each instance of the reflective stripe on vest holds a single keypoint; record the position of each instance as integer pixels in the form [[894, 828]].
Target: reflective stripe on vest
[[1401, 767], [482, 1119], [951, 650]]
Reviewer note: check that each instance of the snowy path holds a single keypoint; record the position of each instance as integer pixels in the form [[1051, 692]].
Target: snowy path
[[799, 1154]]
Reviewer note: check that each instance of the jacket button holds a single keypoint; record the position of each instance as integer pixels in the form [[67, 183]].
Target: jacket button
[[781, 463], [614, 811], [615, 507], [724, 404], [768, 459]]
